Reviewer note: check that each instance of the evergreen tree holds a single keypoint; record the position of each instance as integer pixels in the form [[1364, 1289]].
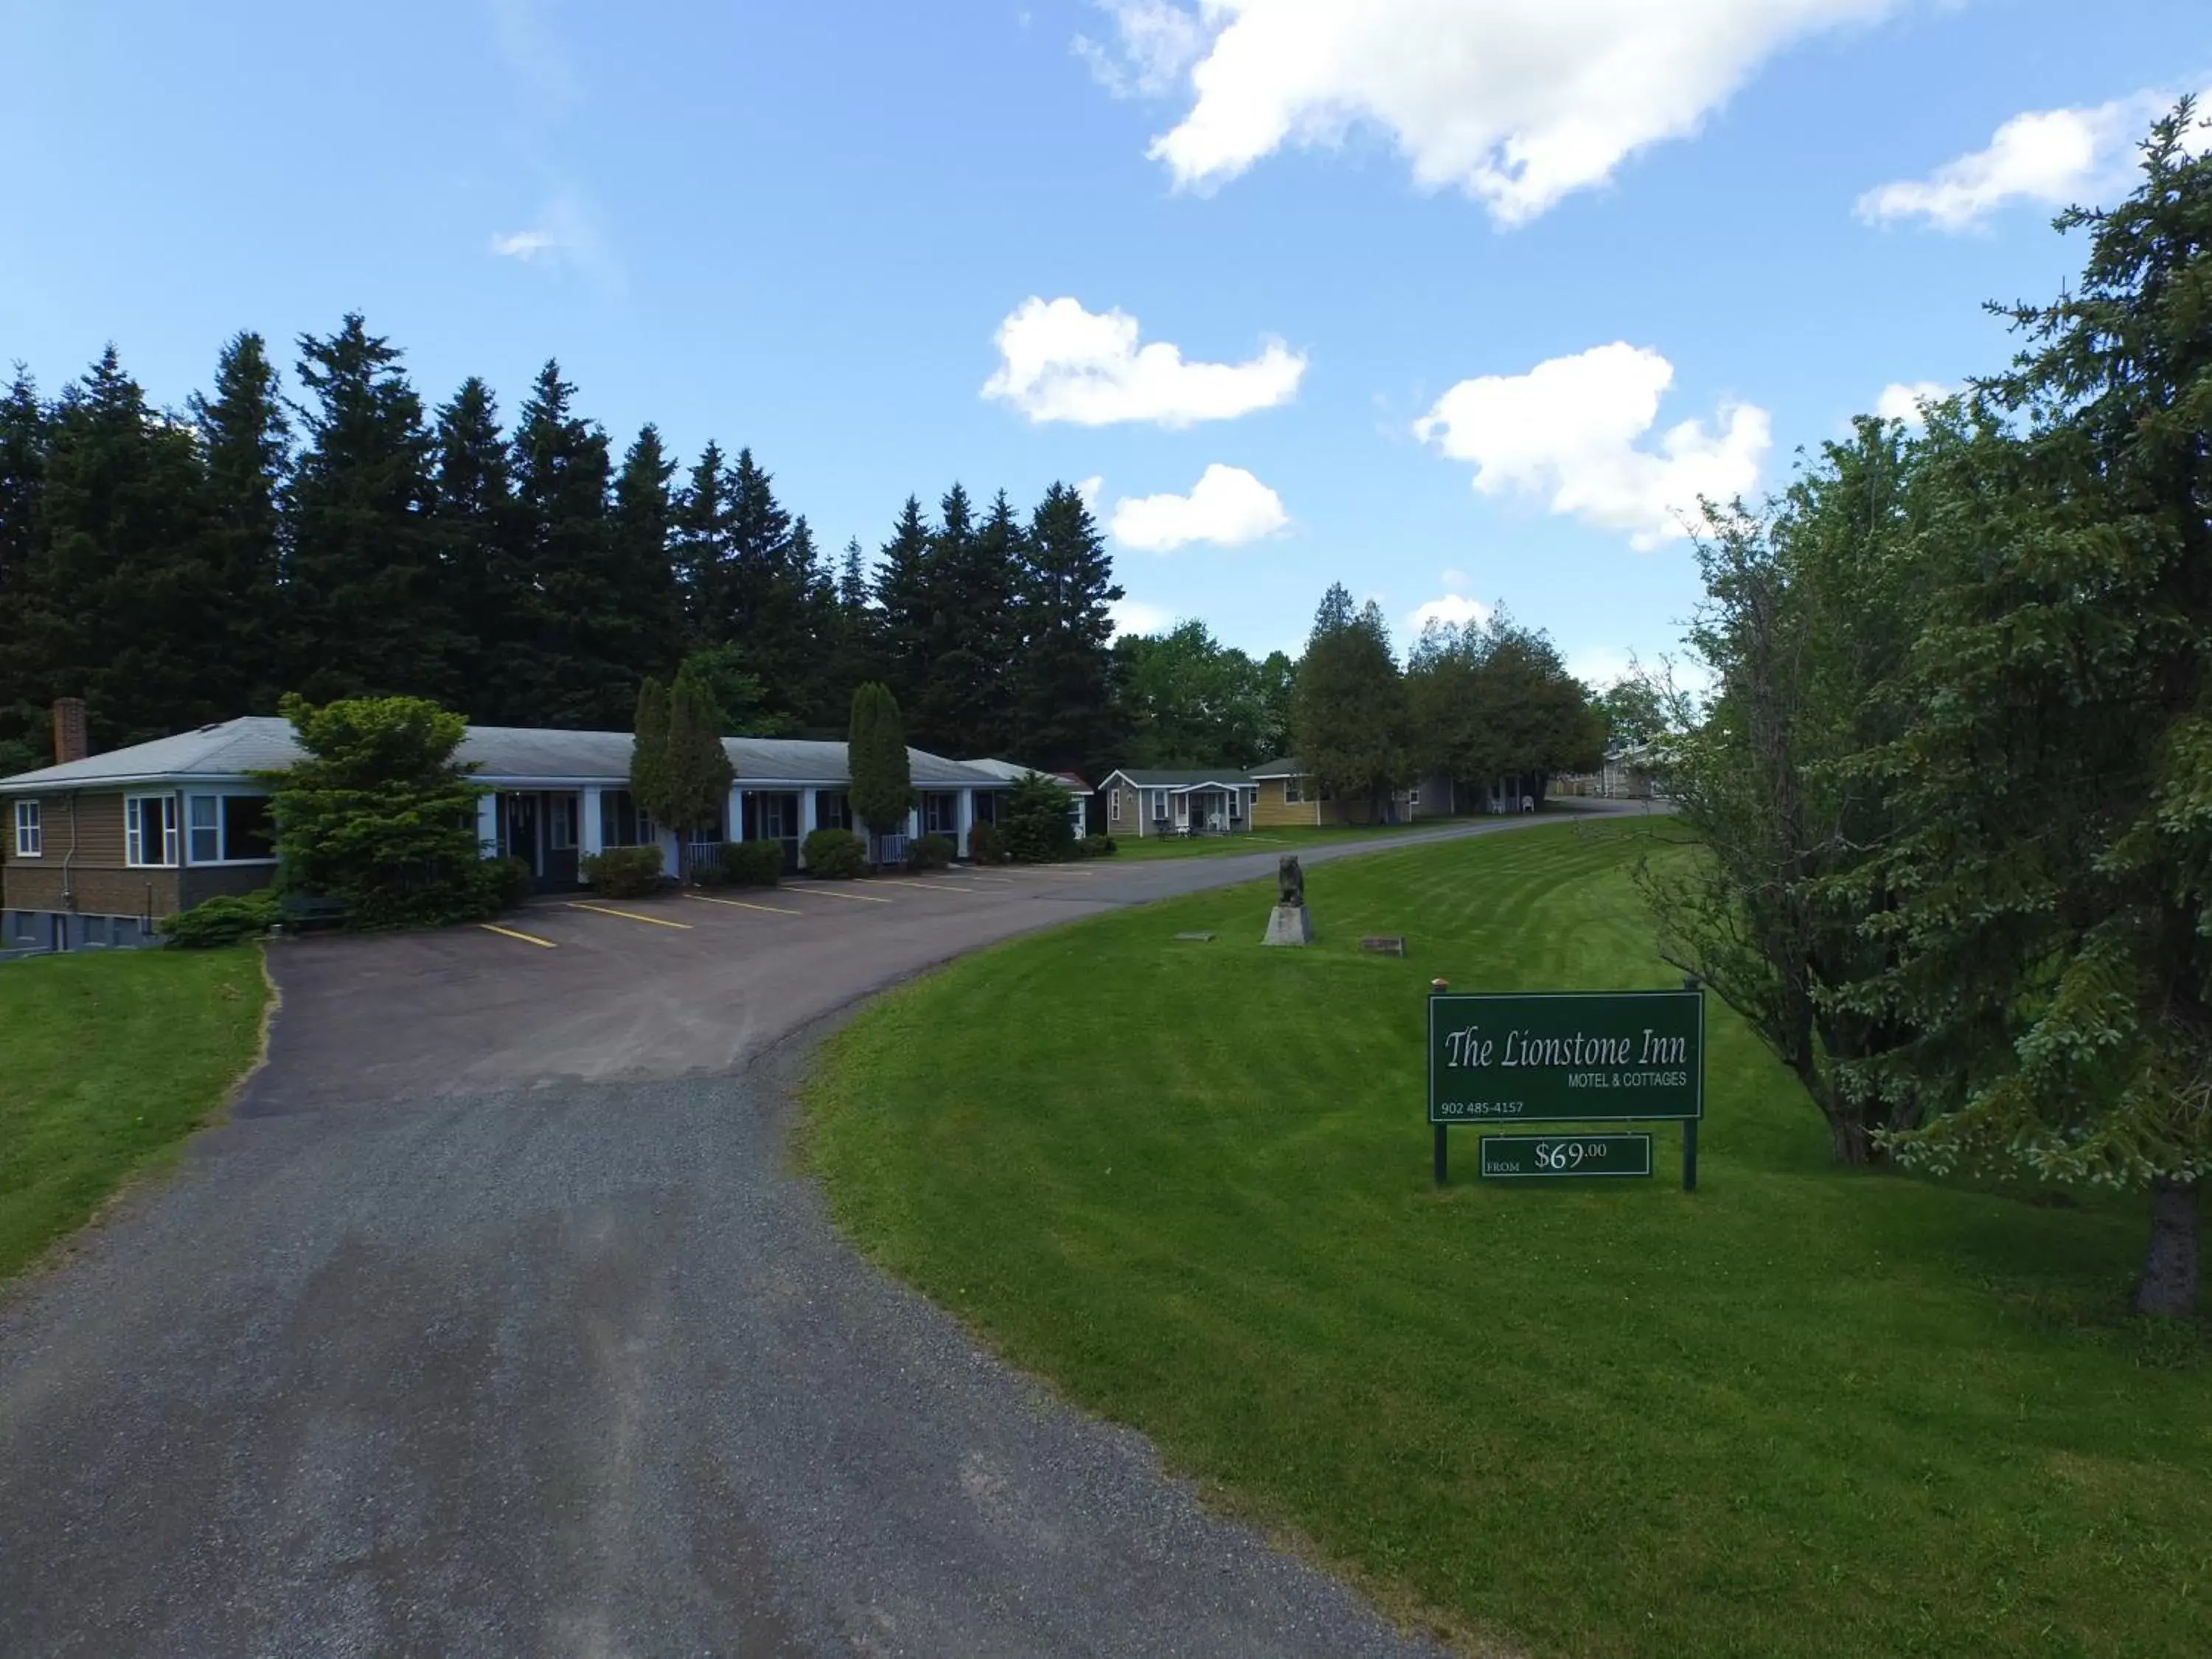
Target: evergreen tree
[[1068, 721], [24, 742], [817, 693], [857, 629], [2051, 880], [648, 756], [589, 647], [882, 791], [644, 567], [121, 596], [1348, 718], [692, 777], [245, 441], [902, 594], [1494, 703], [702, 547], [366, 613], [486, 581], [973, 572]]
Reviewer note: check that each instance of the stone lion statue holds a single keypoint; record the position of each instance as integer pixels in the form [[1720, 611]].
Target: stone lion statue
[[1290, 878]]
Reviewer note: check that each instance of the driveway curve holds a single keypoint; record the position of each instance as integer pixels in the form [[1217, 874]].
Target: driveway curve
[[496, 1320]]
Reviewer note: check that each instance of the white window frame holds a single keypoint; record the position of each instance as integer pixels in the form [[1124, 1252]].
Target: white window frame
[[30, 834], [1114, 804], [1159, 805], [1294, 791], [220, 828], [1413, 796], [134, 832]]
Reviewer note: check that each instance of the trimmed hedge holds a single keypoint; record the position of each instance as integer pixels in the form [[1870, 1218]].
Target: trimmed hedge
[[624, 872], [752, 863], [835, 854], [512, 882], [224, 920], [986, 844], [1095, 847], [930, 853]]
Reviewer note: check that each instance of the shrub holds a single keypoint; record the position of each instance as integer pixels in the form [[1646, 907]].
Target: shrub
[[753, 863], [930, 853], [624, 872], [1037, 828], [224, 920], [1096, 847], [835, 854], [1111, 848], [510, 881], [986, 844]]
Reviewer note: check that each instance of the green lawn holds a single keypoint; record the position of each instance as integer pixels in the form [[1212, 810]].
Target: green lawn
[[110, 1059], [1289, 840], [1798, 1412]]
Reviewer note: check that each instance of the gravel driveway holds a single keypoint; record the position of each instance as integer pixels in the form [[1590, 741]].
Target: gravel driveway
[[497, 1320]]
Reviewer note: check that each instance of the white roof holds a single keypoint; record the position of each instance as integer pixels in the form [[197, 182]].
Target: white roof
[[229, 751], [1014, 772]]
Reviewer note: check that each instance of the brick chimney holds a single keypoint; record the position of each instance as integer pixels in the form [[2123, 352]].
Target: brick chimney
[[71, 742]]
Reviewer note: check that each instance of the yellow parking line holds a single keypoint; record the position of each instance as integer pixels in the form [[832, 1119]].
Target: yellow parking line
[[633, 915], [741, 904], [510, 933], [831, 892]]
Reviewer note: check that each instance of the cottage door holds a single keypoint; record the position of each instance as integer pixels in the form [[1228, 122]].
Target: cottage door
[[522, 831]]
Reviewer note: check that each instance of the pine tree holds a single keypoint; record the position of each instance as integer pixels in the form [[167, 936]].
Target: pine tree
[[644, 567], [480, 559], [1067, 719], [648, 754], [691, 781], [23, 439], [902, 592], [366, 616], [1348, 717], [245, 441], [882, 789], [590, 650], [122, 597], [770, 591], [857, 648], [701, 548]]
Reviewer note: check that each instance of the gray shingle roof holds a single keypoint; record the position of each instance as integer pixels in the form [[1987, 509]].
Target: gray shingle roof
[[1283, 768], [1187, 778], [232, 749]]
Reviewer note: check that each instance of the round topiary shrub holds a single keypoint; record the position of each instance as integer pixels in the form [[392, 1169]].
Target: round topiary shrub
[[930, 853], [624, 872], [835, 854], [753, 863]]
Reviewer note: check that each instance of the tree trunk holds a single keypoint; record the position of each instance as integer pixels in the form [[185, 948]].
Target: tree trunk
[[2167, 1289]]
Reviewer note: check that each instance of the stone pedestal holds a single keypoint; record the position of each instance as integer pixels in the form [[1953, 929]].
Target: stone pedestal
[[1290, 923]]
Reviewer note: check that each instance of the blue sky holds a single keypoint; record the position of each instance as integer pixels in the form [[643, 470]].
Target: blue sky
[[1379, 252]]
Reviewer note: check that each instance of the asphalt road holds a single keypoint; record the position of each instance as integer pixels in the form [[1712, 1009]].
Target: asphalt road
[[496, 1320]]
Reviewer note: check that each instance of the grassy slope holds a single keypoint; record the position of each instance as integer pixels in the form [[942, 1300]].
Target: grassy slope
[[1292, 839], [109, 1060], [1799, 1413]]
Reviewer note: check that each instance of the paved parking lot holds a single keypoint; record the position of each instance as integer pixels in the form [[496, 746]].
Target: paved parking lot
[[497, 1321]]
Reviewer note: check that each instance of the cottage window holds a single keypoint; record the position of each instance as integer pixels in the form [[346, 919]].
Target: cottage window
[[1294, 791], [1114, 804], [1413, 796], [149, 831], [29, 842], [1160, 805], [833, 809], [940, 813], [622, 824], [561, 823], [228, 830]]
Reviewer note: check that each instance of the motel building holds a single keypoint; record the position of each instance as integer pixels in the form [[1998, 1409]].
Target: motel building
[[98, 849]]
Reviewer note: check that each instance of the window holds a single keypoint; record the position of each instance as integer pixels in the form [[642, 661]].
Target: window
[[1413, 796], [986, 806], [1159, 804], [1114, 804], [833, 809], [228, 830], [149, 830], [561, 823], [1294, 791], [940, 813], [29, 844], [620, 823]]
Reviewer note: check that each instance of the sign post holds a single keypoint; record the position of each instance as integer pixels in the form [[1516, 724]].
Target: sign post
[[1515, 1058]]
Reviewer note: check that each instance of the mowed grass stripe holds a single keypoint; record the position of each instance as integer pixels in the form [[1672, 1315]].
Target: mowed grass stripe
[[1801, 1412]]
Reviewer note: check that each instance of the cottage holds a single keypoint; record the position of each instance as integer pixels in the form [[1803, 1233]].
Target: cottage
[[1079, 792], [1288, 795], [1179, 803], [100, 848]]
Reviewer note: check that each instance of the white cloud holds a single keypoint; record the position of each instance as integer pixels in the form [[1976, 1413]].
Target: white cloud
[[1135, 616], [1900, 400], [524, 244], [1600, 667], [1092, 489], [1227, 506], [2050, 156], [1569, 430], [1158, 42], [1061, 362], [1453, 610], [1516, 104]]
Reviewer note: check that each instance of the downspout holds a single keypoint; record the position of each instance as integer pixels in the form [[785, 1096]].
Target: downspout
[[69, 893]]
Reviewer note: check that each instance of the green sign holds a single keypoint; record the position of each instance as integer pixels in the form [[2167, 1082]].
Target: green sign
[[1535, 1157], [1566, 1056]]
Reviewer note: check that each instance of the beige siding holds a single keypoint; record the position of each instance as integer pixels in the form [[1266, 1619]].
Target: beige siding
[[1271, 811], [98, 881]]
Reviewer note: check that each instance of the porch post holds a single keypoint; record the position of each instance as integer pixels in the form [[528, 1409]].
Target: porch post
[[967, 817], [810, 809], [488, 825], [733, 822], [590, 840]]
